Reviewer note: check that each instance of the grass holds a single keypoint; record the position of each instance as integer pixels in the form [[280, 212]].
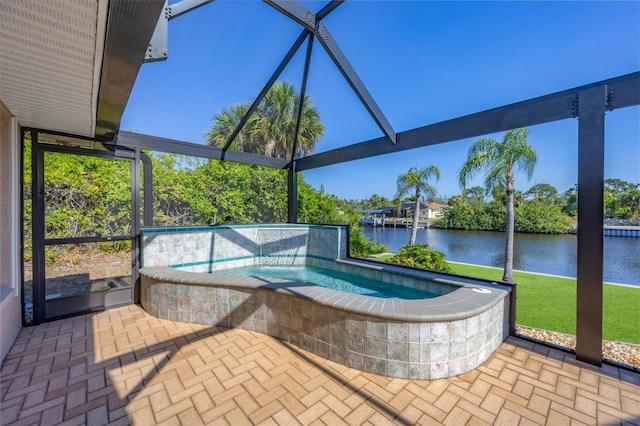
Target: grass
[[384, 258], [549, 303]]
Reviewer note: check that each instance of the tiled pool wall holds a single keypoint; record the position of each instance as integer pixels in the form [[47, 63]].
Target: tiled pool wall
[[403, 349], [210, 248], [434, 343]]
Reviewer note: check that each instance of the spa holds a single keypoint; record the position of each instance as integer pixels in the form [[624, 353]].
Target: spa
[[399, 322]]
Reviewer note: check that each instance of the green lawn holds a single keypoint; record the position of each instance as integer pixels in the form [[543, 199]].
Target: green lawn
[[550, 302], [384, 257]]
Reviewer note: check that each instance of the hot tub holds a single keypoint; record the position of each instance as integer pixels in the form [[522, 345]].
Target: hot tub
[[422, 338]]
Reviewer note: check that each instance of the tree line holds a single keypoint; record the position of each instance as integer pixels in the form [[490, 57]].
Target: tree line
[[188, 191], [539, 210], [90, 196]]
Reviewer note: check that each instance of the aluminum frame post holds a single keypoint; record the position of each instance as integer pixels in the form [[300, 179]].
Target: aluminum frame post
[[37, 230], [292, 193], [136, 244], [147, 189], [591, 110], [22, 174]]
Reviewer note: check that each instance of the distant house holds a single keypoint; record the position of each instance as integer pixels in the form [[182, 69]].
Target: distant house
[[428, 210]]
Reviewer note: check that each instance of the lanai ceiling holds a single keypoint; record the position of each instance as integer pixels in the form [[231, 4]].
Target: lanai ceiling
[[69, 65], [50, 60]]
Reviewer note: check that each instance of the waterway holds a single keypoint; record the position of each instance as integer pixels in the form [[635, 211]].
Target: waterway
[[549, 254]]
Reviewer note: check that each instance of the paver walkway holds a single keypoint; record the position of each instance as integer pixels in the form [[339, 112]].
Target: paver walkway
[[124, 366]]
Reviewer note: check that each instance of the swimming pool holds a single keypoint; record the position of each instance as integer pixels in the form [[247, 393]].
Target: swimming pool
[[328, 278], [191, 275]]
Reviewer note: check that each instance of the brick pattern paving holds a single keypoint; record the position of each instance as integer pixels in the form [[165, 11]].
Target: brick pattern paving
[[123, 366]]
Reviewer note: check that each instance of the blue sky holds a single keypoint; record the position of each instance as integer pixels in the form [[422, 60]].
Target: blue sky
[[423, 62]]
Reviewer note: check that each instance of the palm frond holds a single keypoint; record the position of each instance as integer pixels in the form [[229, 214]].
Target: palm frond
[[480, 155], [270, 130], [417, 179], [495, 178]]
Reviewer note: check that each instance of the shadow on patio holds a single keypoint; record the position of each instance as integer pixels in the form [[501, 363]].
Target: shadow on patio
[[124, 366]]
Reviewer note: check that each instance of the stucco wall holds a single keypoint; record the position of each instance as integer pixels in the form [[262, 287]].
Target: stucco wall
[[10, 321]]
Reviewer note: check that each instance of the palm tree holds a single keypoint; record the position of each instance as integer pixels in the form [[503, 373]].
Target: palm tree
[[499, 194], [224, 123], [498, 160], [271, 127], [417, 181], [276, 121]]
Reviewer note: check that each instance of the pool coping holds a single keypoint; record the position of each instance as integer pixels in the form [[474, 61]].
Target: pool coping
[[459, 304]]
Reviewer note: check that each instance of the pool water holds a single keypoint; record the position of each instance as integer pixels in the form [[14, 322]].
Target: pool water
[[334, 280]]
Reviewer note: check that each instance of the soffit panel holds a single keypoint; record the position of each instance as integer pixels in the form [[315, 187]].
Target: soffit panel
[[49, 58], [131, 26]]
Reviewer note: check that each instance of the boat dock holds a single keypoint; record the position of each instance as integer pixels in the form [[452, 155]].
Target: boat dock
[[621, 231], [616, 231], [395, 222]]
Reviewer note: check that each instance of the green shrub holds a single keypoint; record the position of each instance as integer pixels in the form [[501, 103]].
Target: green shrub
[[422, 257], [49, 256], [485, 217], [541, 217], [361, 246]]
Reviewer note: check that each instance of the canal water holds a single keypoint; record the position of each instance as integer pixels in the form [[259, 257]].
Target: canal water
[[549, 254]]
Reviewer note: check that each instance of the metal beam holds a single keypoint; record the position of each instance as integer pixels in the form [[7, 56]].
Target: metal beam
[[544, 109], [591, 110], [159, 45], [624, 93], [184, 6], [349, 73], [283, 64], [305, 17], [154, 143], [303, 90], [327, 9], [158, 49], [295, 11]]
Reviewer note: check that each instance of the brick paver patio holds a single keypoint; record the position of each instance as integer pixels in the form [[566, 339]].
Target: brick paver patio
[[123, 366]]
